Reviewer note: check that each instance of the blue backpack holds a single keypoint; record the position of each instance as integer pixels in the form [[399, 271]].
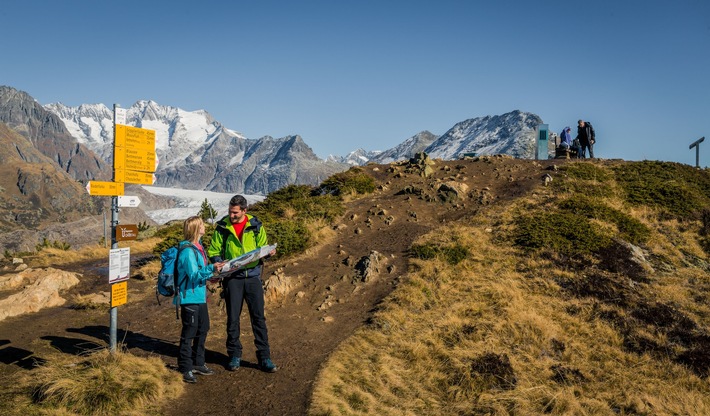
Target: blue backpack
[[168, 284]]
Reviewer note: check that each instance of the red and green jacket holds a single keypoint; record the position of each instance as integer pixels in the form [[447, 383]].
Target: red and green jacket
[[225, 245]]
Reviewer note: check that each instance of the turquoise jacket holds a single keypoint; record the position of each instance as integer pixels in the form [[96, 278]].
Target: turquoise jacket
[[193, 273]]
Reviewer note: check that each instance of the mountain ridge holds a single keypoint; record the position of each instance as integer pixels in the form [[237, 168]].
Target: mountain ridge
[[185, 138]]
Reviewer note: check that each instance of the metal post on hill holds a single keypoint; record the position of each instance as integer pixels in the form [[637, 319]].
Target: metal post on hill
[[113, 312], [696, 144], [114, 244]]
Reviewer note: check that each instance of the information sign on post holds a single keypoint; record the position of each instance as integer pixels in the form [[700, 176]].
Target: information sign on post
[[135, 138], [100, 188], [119, 261], [133, 176], [119, 294], [128, 201], [134, 159]]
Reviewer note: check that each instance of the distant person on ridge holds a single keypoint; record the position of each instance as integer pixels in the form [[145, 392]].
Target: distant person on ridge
[[566, 141], [585, 134], [192, 275], [234, 235]]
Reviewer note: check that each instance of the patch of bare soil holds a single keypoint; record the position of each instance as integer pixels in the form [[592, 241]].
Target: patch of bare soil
[[329, 299]]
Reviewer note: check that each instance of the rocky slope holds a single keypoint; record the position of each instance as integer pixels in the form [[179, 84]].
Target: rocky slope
[[46, 131]]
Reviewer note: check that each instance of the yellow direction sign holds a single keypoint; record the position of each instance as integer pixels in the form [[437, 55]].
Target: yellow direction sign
[[140, 160], [135, 138], [100, 188], [133, 176], [119, 293]]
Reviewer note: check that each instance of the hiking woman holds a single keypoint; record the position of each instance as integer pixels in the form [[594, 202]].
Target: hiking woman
[[192, 276]]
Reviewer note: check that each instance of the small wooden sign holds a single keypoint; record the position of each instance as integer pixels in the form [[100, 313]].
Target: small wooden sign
[[126, 232]]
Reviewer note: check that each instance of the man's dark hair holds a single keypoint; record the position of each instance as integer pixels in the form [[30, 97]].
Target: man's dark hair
[[238, 200]]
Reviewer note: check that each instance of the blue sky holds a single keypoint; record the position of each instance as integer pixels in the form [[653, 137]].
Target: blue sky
[[370, 74]]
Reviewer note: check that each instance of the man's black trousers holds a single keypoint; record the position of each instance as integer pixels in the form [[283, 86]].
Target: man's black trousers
[[237, 291]]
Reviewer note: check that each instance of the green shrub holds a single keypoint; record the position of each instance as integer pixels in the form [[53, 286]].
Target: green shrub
[[563, 232], [630, 228], [143, 226], [286, 212], [677, 190], [297, 202], [292, 236], [61, 245], [584, 178], [586, 171], [172, 234], [453, 255], [352, 180]]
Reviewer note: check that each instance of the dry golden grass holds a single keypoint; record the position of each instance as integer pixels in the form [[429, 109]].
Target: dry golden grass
[[149, 271], [99, 384], [495, 335], [89, 302], [52, 256]]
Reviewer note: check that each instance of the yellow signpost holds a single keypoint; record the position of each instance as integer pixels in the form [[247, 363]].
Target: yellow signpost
[[135, 138], [134, 159], [133, 176], [101, 188], [119, 293]]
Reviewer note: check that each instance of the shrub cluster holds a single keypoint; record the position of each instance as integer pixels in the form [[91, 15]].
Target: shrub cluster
[[586, 171], [453, 254], [61, 245], [679, 191], [563, 232], [171, 235], [353, 180], [630, 228], [587, 179], [287, 211]]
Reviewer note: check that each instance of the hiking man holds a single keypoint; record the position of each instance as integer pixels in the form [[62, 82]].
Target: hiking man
[[585, 135], [234, 235]]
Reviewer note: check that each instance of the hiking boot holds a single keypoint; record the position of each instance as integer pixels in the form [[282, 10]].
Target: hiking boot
[[188, 377], [267, 365], [234, 364], [203, 370]]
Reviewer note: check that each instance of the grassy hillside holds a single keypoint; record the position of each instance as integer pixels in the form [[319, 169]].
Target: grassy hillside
[[587, 297]]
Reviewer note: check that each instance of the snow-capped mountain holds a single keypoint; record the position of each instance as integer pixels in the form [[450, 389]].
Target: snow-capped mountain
[[197, 152], [407, 149], [357, 157], [177, 132], [511, 133], [402, 151]]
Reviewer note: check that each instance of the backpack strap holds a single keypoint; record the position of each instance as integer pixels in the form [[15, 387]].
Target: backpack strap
[[224, 232]]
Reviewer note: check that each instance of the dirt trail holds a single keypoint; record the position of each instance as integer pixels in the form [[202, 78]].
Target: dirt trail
[[405, 206]]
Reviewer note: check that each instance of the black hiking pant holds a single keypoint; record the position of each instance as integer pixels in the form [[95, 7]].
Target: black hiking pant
[[237, 290], [195, 324]]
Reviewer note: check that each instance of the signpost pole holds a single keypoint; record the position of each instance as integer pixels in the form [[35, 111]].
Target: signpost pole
[[696, 145], [113, 312]]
